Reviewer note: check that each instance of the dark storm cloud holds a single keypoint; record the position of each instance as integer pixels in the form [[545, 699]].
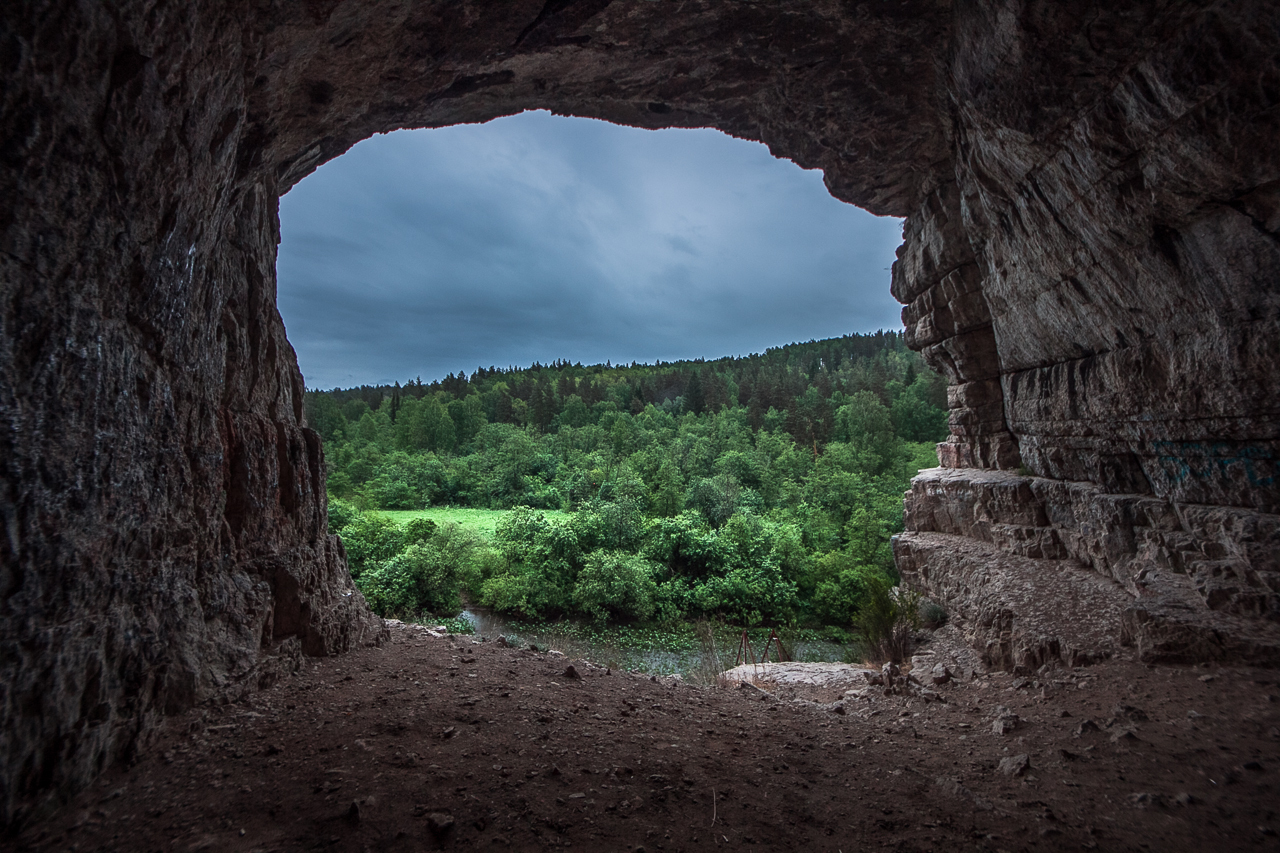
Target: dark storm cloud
[[535, 238]]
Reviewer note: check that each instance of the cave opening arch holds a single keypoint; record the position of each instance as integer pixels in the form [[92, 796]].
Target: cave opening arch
[[1090, 255]]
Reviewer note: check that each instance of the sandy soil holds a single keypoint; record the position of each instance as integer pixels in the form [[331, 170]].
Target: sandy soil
[[430, 743]]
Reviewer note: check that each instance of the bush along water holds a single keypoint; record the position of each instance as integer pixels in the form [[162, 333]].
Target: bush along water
[[760, 491]]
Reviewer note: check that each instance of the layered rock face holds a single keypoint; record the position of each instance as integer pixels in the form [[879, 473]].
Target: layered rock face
[[1101, 283], [1090, 254]]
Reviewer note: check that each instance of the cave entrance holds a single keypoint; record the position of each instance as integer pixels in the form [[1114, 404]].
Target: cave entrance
[[545, 239]]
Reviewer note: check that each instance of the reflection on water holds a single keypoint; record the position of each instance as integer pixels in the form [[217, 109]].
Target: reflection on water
[[698, 660]]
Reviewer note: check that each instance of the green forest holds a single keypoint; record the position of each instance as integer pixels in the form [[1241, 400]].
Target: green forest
[[760, 490]]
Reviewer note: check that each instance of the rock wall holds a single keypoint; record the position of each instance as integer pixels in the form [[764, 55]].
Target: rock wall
[[1101, 283], [1090, 254]]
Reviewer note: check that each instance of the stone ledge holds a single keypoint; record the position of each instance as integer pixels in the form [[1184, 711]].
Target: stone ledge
[[1018, 611], [1230, 555], [1199, 581]]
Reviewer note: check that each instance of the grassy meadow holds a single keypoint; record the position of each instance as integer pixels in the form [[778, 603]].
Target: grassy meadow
[[479, 521]]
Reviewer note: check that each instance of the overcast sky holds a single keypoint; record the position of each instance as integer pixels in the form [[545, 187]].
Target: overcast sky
[[534, 237]]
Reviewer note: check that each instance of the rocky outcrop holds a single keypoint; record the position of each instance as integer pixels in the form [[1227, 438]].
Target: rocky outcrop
[[1101, 285], [1090, 254], [1045, 570]]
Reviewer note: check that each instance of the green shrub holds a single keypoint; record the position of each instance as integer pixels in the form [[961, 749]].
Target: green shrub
[[486, 563], [748, 595], [836, 634], [887, 620], [417, 530], [617, 584], [536, 592], [370, 538], [542, 559], [457, 625], [421, 579], [932, 614], [686, 546], [341, 513], [671, 600], [385, 493], [842, 587]]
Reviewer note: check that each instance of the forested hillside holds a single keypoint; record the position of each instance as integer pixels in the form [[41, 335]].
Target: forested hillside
[[756, 489]]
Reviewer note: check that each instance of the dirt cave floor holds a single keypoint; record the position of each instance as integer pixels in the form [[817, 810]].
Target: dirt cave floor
[[450, 743]]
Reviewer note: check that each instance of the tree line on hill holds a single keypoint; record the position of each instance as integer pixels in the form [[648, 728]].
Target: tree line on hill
[[761, 489]]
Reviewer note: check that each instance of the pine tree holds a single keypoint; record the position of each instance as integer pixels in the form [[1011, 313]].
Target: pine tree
[[694, 399], [543, 405], [395, 403]]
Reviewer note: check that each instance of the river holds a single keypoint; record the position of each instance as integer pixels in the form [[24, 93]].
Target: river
[[696, 652]]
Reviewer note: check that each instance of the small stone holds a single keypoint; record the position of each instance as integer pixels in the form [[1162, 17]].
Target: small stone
[[1208, 678], [1184, 799], [941, 675], [1128, 712], [1145, 799], [571, 672], [439, 823], [1086, 727], [1123, 736], [1255, 766], [577, 796], [353, 812], [889, 674], [1015, 765], [1005, 721]]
